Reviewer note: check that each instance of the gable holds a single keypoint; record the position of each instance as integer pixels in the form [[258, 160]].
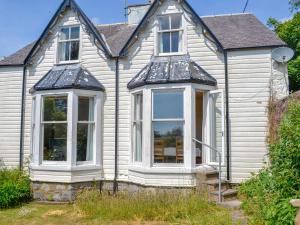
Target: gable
[[66, 6]]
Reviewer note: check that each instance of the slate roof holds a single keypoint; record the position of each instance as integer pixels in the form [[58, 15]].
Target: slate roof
[[174, 69], [233, 32], [241, 31], [68, 77], [116, 35]]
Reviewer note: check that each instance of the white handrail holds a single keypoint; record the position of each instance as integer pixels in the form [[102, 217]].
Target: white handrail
[[220, 165]]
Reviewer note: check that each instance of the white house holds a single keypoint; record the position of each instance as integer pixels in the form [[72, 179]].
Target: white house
[[123, 103]]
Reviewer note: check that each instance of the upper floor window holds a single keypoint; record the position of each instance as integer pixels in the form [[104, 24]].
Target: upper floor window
[[170, 33], [68, 47]]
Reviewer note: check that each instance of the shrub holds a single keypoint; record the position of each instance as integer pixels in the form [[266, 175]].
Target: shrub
[[267, 195], [14, 188], [178, 207]]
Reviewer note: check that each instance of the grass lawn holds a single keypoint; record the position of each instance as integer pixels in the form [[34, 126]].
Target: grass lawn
[[95, 208]]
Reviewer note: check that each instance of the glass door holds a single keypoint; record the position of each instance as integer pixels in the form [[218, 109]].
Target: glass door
[[216, 125]]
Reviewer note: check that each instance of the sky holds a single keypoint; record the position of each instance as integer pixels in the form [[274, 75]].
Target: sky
[[22, 21]]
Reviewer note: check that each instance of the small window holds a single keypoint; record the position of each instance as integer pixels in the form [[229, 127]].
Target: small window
[[69, 40], [170, 33], [85, 129], [138, 127], [168, 126], [55, 128]]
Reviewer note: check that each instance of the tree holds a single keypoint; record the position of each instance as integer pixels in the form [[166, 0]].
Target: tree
[[289, 31], [295, 5]]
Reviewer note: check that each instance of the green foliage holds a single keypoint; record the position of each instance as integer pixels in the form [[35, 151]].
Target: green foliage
[[295, 5], [179, 208], [267, 195], [289, 31], [14, 188]]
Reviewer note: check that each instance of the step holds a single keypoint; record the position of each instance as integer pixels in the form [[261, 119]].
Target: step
[[233, 204], [211, 174], [213, 185], [227, 195]]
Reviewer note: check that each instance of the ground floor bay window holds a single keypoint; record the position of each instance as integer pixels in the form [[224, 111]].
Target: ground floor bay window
[[66, 127], [173, 115]]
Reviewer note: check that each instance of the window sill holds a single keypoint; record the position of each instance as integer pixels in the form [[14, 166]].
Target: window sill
[[162, 169], [67, 62], [65, 168], [171, 54]]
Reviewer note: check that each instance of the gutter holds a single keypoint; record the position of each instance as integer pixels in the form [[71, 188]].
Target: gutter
[[227, 115], [22, 118], [115, 182]]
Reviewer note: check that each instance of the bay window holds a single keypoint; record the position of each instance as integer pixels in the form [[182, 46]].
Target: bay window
[[168, 126]]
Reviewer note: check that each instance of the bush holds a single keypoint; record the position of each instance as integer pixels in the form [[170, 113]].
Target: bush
[[178, 207], [14, 188], [267, 195]]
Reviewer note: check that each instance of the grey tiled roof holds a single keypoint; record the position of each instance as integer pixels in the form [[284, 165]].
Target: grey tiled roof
[[67, 77], [175, 69], [18, 57], [241, 31], [233, 32], [116, 35]]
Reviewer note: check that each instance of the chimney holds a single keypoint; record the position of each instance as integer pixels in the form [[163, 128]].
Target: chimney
[[136, 12]]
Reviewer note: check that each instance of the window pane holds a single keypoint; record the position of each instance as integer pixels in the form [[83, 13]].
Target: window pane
[[55, 142], [55, 108], [85, 142], [168, 142], [175, 41], [164, 23], [176, 21], [75, 33], [138, 107], [165, 45], [168, 105], [74, 50], [64, 51], [138, 133], [85, 109], [64, 34]]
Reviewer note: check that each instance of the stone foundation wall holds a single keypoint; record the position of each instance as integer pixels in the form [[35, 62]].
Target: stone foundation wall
[[62, 192]]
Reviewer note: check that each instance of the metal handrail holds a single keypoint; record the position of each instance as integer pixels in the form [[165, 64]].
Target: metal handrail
[[220, 165]]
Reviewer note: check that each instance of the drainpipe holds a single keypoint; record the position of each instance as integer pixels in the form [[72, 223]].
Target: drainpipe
[[115, 185], [22, 118], [227, 115]]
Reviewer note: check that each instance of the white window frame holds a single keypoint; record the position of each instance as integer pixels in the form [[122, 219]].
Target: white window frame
[[171, 90], [181, 31], [69, 40], [133, 121], [72, 120]]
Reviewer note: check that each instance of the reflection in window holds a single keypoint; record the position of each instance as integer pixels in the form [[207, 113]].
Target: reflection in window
[[69, 43], [138, 127], [55, 128], [170, 33], [168, 125], [85, 129]]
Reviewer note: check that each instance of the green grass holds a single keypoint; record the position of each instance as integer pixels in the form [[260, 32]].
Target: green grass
[[93, 208]]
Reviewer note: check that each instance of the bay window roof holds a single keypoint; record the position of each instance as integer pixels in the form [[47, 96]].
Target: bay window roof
[[68, 77], [173, 69]]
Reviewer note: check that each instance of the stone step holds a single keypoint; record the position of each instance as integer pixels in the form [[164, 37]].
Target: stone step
[[212, 174], [213, 185], [227, 195], [233, 204]]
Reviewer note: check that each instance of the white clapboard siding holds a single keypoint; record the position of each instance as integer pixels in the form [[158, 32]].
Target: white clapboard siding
[[93, 60], [10, 115]]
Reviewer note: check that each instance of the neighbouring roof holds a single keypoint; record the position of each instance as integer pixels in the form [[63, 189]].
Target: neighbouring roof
[[232, 31], [241, 31], [174, 69], [68, 77]]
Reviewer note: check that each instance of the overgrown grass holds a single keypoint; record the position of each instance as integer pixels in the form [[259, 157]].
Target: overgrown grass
[[14, 188], [174, 208], [267, 195]]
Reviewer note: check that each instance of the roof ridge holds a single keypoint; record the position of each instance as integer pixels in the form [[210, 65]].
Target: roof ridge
[[112, 24], [232, 14]]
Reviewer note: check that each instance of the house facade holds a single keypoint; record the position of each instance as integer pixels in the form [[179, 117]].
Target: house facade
[[131, 102]]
